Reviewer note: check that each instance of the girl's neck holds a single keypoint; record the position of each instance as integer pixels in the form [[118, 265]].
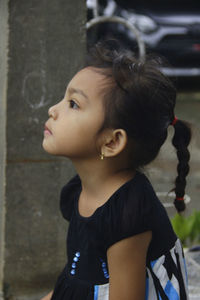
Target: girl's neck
[[101, 178]]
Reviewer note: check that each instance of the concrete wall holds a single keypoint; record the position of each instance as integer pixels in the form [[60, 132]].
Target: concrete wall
[[46, 47], [3, 85], [3, 88]]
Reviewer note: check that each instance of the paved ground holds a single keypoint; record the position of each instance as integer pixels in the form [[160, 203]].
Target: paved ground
[[193, 266]]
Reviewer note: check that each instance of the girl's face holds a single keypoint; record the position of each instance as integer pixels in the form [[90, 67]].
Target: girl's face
[[73, 123]]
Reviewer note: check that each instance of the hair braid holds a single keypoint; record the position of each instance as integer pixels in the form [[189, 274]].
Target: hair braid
[[181, 140]]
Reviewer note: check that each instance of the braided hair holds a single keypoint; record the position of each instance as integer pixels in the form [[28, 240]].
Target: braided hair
[[140, 99], [181, 140]]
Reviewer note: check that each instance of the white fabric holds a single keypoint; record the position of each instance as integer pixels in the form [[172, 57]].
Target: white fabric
[[102, 292]]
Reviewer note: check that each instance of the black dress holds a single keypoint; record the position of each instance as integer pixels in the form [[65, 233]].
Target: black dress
[[134, 208]]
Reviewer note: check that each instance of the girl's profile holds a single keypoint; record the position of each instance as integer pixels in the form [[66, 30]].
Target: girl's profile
[[111, 123]]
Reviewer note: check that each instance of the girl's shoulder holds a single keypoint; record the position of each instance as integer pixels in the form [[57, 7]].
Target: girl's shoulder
[[129, 211], [135, 193], [135, 209]]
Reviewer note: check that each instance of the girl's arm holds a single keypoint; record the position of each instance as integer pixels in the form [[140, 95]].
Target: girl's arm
[[48, 297], [127, 267]]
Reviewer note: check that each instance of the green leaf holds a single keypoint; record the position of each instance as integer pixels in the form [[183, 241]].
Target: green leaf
[[187, 228]]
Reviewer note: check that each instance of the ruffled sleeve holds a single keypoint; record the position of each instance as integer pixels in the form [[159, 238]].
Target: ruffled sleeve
[[129, 211], [68, 195]]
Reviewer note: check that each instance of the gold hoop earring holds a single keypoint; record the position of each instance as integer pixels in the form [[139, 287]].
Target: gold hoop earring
[[102, 156]]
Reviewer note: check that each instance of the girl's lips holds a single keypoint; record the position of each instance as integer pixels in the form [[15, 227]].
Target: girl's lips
[[47, 131]]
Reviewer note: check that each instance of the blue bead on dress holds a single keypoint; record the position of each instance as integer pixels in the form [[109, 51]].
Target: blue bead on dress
[[104, 269], [73, 272], [77, 254], [74, 265], [75, 259]]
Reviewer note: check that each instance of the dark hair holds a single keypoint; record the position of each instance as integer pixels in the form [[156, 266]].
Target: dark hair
[[140, 99]]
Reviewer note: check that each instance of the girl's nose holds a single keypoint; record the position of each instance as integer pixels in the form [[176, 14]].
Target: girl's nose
[[52, 112]]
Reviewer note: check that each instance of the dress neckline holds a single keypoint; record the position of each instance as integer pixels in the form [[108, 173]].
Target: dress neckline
[[98, 209]]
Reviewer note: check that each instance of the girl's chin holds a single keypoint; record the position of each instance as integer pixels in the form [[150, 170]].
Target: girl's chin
[[47, 148]]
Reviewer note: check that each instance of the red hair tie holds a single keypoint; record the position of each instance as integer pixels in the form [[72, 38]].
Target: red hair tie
[[180, 198], [174, 121]]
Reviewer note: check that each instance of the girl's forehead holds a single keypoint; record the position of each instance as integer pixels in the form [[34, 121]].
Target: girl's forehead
[[87, 74], [89, 80]]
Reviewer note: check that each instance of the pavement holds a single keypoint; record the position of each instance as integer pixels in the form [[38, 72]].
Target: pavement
[[193, 269]]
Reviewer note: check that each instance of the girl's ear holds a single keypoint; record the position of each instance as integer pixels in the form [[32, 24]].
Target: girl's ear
[[115, 142]]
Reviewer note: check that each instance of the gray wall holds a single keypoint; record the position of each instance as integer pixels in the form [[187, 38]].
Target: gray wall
[[3, 88], [46, 47]]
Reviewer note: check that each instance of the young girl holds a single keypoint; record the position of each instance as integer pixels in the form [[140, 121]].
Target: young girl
[[113, 121]]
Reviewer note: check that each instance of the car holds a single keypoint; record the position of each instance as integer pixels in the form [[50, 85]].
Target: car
[[170, 28]]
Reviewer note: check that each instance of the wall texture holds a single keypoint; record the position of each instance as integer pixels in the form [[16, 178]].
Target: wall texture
[[46, 48], [3, 89]]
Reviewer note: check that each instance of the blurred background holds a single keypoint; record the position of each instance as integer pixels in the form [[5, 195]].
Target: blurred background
[[42, 45], [170, 29]]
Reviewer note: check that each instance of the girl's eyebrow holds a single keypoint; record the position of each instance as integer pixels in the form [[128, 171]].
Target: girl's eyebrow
[[72, 90]]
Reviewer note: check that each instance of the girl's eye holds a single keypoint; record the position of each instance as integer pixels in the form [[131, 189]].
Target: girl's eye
[[72, 104]]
